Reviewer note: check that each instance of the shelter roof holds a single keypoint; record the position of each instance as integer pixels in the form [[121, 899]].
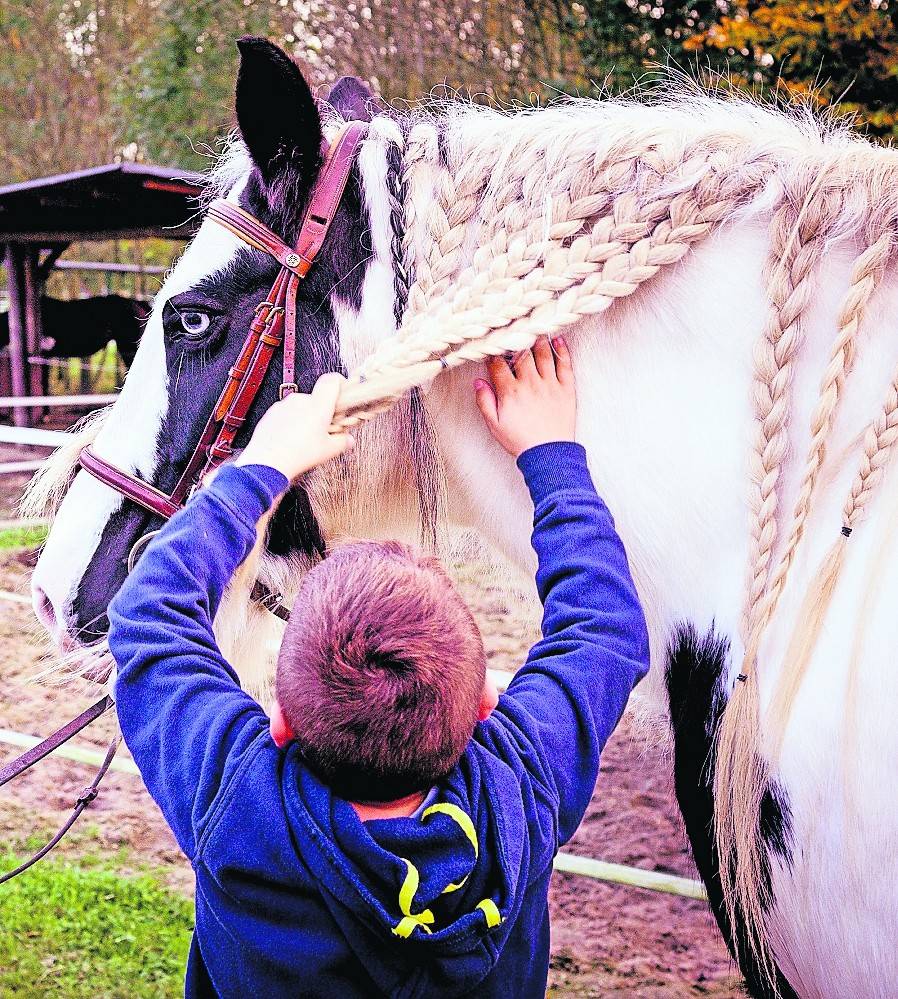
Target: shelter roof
[[118, 200]]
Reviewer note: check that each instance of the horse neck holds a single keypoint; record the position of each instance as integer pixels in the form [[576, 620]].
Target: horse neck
[[664, 414], [665, 383]]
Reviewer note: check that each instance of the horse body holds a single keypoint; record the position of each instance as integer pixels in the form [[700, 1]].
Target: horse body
[[664, 417], [80, 327], [666, 385]]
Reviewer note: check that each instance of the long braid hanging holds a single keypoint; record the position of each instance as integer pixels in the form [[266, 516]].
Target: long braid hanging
[[428, 480], [397, 192]]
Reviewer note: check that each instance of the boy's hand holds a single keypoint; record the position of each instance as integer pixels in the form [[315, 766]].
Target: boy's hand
[[532, 400], [293, 436]]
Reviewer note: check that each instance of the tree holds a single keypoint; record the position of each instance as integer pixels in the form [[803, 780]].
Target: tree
[[620, 40], [61, 60], [827, 51]]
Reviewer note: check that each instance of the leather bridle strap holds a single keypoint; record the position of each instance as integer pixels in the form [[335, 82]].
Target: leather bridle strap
[[54, 741], [40, 752], [142, 493], [86, 796], [273, 324]]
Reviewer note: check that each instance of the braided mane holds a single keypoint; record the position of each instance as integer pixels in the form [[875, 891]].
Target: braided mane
[[522, 224]]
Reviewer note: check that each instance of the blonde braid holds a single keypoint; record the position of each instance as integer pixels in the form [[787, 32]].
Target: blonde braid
[[419, 163], [879, 442], [866, 275], [740, 775], [507, 296]]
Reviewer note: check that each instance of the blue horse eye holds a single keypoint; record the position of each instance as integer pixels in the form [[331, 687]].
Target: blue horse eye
[[194, 322]]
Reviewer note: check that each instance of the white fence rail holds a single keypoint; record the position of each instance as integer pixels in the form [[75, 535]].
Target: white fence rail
[[35, 436], [9, 401], [17, 467], [567, 863]]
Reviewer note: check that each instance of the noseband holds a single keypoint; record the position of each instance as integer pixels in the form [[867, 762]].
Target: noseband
[[273, 324]]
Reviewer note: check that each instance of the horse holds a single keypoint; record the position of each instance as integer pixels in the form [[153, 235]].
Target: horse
[[79, 327], [725, 274]]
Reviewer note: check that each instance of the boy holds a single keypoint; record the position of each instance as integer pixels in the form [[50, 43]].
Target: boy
[[391, 829]]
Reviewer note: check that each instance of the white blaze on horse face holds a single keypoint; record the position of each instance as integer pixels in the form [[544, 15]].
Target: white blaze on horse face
[[127, 439]]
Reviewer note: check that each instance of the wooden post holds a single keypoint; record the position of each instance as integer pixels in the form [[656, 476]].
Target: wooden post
[[17, 348], [33, 329]]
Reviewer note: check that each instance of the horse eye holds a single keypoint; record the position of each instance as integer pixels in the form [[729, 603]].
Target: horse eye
[[194, 322]]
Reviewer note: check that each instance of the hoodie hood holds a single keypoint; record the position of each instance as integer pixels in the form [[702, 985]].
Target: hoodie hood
[[425, 902]]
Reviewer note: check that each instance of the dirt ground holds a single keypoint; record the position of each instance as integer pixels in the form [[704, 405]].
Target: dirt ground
[[607, 940]]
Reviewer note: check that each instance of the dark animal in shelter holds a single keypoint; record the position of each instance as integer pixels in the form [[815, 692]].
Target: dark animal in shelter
[[80, 327]]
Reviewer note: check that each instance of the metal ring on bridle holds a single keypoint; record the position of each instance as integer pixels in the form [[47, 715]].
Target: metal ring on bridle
[[138, 547]]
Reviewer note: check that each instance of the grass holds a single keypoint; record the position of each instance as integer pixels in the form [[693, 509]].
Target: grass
[[87, 932], [22, 537]]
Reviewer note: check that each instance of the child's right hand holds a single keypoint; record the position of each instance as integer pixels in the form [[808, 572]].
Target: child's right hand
[[531, 400], [294, 434]]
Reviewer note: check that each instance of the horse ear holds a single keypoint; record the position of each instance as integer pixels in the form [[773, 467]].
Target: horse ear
[[276, 112], [352, 98]]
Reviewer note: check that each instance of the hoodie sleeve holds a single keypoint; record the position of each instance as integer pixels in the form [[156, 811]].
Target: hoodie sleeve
[[568, 697], [182, 713]]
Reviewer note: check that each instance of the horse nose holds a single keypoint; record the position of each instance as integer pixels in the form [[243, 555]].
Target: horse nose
[[47, 615]]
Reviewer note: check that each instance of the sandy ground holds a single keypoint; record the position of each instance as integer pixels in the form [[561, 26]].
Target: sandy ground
[[607, 940]]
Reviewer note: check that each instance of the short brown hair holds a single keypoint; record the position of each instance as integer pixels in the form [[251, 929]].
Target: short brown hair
[[381, 671]]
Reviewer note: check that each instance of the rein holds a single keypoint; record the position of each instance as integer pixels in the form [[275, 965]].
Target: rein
[[273, 324]]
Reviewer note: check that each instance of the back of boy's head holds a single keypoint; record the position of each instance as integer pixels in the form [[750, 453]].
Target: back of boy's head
[[381, 671]]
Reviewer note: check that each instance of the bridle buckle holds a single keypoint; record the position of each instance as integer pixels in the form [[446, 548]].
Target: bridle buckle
[[273, 309], [287, 388]]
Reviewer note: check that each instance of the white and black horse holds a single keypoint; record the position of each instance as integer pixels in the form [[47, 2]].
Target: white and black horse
[[665, 382]]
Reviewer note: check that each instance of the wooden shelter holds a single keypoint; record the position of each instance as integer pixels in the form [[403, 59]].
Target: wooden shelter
[[40, 219]]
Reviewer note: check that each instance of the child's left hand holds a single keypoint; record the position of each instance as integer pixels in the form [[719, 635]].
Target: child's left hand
[[294, 435]]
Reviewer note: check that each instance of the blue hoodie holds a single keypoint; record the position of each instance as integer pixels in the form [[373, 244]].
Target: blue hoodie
[[295, 895]]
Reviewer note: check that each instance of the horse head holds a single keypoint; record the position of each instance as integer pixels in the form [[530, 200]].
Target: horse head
[[197, 326]]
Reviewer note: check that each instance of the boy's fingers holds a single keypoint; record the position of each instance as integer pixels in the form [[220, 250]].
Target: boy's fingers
[[327, 391], [500, 374], [487, 402], [524, 366], [342, 442], [563, 367], [542, 354]]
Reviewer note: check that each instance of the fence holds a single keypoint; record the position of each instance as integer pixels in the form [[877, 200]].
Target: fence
[[567, 863], [38, 436]]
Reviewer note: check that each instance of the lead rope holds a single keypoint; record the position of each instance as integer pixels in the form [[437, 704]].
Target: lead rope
[[86, 796]]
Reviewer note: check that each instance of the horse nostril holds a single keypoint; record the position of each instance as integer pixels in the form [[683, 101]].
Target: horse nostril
[[43, 609]]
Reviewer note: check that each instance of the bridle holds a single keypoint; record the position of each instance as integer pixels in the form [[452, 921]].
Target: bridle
[[273, 324]]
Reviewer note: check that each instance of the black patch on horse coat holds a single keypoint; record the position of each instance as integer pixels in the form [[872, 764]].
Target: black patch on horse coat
[[352, 99], [197, 372], [696, 671]]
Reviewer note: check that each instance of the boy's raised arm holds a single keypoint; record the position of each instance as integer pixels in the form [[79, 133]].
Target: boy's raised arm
[[571, 692], [180, 706], [183, 715]]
